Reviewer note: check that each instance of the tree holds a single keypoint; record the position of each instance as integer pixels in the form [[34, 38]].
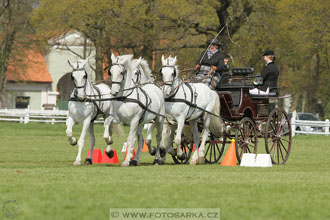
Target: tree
[[14, 29], [305, 41]]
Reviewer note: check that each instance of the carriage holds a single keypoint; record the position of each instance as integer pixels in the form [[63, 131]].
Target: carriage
[[248, 119]]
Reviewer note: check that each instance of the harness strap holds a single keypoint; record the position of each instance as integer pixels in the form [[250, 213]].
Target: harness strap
[[124, 99], [148, 102], [192, 100], [96, 105], [192, 105]]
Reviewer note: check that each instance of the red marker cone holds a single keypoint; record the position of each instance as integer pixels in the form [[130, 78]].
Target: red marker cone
[[97, 155], [230, 157], [106, 159]]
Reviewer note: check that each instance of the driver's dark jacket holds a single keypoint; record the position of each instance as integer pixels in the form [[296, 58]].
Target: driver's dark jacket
[[269, 76], [216, 60]]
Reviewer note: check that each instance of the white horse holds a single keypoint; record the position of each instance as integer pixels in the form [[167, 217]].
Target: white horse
[[139, 102], [83, 108], [188, 102]]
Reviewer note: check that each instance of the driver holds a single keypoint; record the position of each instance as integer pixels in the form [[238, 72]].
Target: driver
[[211, 61], [269, 75]]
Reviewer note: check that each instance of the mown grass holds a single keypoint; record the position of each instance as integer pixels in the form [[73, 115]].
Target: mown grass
[[36, 170]]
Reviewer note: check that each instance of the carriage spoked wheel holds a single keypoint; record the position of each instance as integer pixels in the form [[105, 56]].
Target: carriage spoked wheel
[[214, 148], [186, 149], [246, 138], [278, 136]]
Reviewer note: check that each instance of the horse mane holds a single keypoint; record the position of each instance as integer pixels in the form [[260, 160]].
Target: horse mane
[[145, 67]]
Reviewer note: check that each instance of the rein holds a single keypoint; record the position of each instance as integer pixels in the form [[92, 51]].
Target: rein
[[171, 99]]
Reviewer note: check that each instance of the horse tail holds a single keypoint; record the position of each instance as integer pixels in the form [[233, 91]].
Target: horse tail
[[216, 124], [118, 129]]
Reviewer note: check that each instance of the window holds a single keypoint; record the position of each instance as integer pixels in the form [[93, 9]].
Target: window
[[22, 101]]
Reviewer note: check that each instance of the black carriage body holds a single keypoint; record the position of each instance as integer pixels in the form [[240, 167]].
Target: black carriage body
[[237, 103]]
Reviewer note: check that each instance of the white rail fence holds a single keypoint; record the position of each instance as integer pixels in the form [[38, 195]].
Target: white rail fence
[[310, 127], [45, 116], [59, 116]]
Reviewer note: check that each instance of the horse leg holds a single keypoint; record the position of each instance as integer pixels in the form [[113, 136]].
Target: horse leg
[[152, 150], [89, 160], [178, 137], [107, 135], [194, 129], [160, 152], [169, 144], [81, 141], [131, 140], [205, 134], [69, 125], [140, 146]]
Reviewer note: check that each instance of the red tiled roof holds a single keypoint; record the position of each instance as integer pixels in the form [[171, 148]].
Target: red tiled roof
[[30, 68]]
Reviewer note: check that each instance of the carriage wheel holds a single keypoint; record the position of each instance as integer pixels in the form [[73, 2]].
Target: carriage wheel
[[246, 138], [214, 149], [278, 136], [186, 149]]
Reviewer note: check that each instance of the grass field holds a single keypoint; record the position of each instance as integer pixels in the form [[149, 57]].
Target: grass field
[[36, 170]]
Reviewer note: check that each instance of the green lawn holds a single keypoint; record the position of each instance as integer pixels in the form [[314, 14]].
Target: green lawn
[[36, 170]]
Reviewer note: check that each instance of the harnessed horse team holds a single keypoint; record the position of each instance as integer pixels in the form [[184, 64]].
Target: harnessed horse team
[[133, 98]]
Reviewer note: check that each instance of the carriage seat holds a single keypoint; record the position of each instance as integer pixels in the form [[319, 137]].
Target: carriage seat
[[273, 93]]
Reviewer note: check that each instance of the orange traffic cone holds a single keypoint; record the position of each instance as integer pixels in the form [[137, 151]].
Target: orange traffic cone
[[145, 147], [230, 157], [106, 159], [133, 155], [97, 155]]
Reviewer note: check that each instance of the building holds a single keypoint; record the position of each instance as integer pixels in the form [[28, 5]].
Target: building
[[44, 82]]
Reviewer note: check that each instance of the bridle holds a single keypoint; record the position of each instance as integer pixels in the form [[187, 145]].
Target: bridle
[[123, 72], [138, 78], [169, 82], [85, 77]]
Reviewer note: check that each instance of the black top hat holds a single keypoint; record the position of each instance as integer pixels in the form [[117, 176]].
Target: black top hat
[[214, 41], [268, 52]]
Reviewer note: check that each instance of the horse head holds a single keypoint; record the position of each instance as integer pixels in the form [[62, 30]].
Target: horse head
[[169, 73], [118, 72], [79, 77]]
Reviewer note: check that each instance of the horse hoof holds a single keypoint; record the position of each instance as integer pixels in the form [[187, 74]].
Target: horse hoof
[[133, 163], [161, 162], [193, 162], [73, 141], [201, 160], [77, 163], [110, 153], [162, 152], [88, 161], [156, 162], [108, 141], [152, 151], [125, 164], [182, 156]]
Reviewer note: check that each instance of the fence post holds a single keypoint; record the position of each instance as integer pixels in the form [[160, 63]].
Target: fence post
[[327, 126], [293, 123], [26, 116]]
